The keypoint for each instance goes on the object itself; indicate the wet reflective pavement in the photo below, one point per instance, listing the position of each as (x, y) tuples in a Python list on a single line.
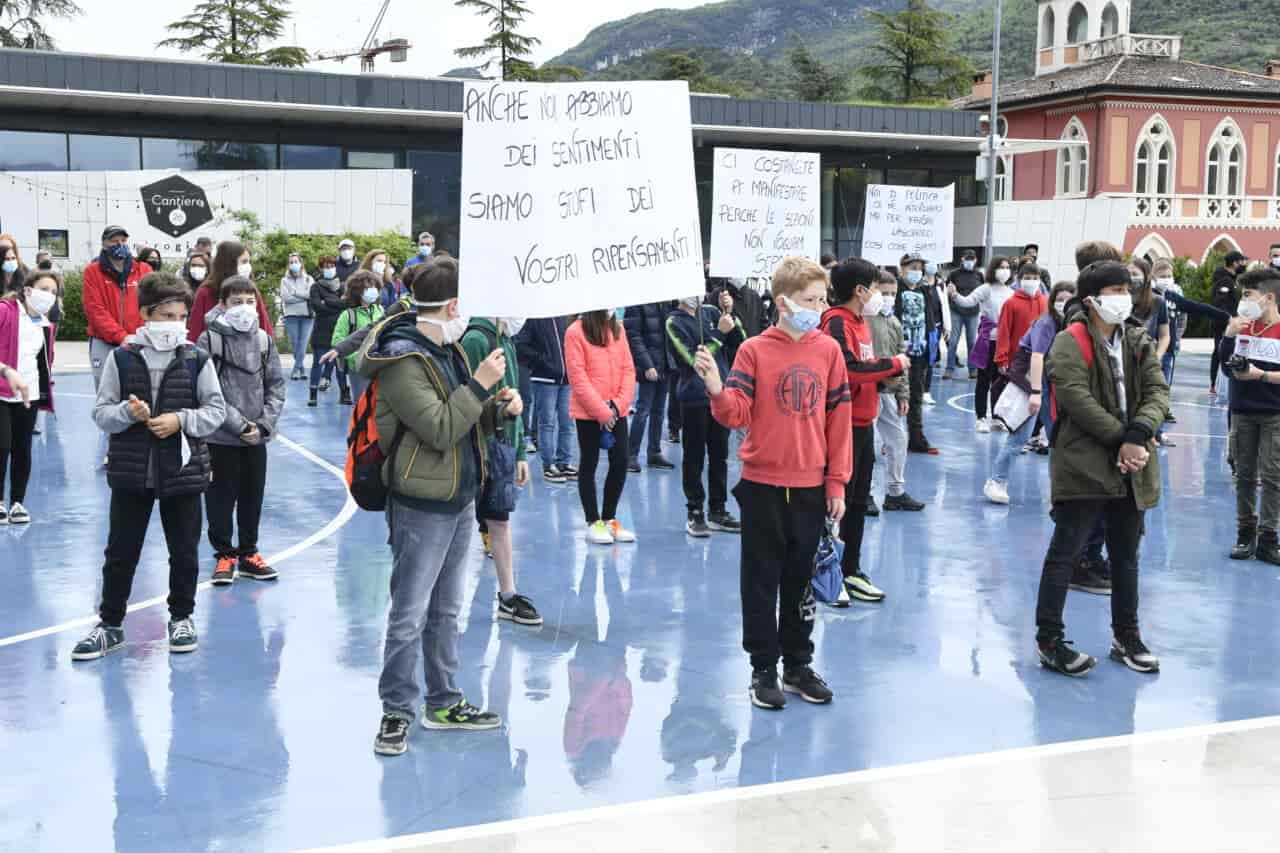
[(634, 689)]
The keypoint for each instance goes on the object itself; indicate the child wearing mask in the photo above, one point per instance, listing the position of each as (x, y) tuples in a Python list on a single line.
[(920, 312), (1110, 398), (854, 285), (891, 422), (159, 399), (295, 296), (26, 342), (378, 262), (327, 303), (231, 259), (789, 387), (989, 298), (248, 367), (364, 289)]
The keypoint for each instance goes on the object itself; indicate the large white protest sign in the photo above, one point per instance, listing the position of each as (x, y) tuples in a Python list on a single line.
[(908, 220), (575, 197), (764, 208)]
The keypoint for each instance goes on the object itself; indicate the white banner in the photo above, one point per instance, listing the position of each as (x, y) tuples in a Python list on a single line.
[(1258, 349), (905, 220), (764, 208), (576, 197)]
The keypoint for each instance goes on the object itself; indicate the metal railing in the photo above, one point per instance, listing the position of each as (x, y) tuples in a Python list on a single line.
[(1131, 44)]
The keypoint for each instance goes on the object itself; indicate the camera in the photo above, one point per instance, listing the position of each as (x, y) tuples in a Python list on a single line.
[(1238, 364)]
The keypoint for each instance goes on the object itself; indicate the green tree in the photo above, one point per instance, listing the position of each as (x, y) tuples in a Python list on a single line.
[(504, 43), (518, 69), (913, 57), (20, 21), (811, 79), (235, 31), (676, 65)]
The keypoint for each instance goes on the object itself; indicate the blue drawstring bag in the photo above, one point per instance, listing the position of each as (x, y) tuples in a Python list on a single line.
[(828, 579)]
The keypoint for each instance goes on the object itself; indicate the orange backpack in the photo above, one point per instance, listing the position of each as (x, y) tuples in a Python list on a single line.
[(365, 458)]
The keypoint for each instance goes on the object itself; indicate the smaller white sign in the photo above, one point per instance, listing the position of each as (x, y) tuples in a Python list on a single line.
[(903, 220), (1258, 349), (765, 207)]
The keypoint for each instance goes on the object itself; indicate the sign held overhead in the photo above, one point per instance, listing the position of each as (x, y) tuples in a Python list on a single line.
[(765, 207), (903, 220)]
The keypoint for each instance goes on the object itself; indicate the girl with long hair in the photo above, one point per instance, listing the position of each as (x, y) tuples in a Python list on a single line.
[(230, 259)]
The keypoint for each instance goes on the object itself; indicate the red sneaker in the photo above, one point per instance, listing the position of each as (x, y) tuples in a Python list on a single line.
[(225, 573)]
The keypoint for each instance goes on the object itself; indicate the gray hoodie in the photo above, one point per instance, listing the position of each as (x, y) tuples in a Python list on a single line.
[(295, 293), (248, 366), (111, 414)]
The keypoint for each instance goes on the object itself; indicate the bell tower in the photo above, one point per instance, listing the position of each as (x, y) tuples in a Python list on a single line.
[(1069, 32)]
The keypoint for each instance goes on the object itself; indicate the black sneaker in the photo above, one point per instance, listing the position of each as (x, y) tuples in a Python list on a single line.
[(463, 716), (662, 463), (1246, 544), (102, 640), (1058, 656), (1088, 577), (673, 438), (1170, 419), (256, 568), (633, 466), (902, 503), (806, 684), (724, 522), (393, 736), (873, 511), (344, 399), (519, 610), (859, 586), (1268, 548), (324, 386), (569, 471), (696, 526), (764, 690), (1129, 650), (554, 475)]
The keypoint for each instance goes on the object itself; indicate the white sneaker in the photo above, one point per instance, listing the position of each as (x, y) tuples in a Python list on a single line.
[(984, 425), (598, 534), (928, 400), (620, 533), (996, 492), (4, 514), (18, 514)]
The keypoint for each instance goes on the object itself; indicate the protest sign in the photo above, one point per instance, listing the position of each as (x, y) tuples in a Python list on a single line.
[(576, 197), (764, 208), (903, 220)]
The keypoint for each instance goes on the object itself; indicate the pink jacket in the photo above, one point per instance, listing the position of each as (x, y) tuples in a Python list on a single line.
[(598, 375), (11, 314)]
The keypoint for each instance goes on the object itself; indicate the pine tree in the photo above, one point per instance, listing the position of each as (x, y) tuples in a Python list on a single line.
[(235, 31), (504, 43), (913, 56), (20, 21), (811, 79)]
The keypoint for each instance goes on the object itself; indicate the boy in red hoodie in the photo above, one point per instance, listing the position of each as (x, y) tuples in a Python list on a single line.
[(789, 387), (1027, 305), (853, 285)]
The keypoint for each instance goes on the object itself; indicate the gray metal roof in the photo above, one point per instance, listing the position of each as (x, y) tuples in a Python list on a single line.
[(73, 79)]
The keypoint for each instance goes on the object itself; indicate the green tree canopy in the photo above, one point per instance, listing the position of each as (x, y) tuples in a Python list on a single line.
[(677, 65), (811, 79), (913, 56), (20, 21), (236, 31), (504, 43)]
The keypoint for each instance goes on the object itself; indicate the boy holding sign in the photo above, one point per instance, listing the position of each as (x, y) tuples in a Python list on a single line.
[(1251, 351), (789, 386)]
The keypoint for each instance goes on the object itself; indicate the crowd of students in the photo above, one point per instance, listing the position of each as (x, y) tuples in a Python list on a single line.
[(818, 376)]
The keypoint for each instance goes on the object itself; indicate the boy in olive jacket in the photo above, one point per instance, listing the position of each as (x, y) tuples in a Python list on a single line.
[(1110, 397), (434, 416)]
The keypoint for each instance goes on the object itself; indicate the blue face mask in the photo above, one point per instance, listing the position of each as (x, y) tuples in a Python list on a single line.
[(295, 267), (370, 295), (969, 265), (620, 313), (914, 276), (10, 266), (803, 320), (120, 251), (425, 249), (328, 272), (931, 269)]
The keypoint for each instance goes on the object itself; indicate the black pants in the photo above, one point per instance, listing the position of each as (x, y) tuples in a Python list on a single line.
[(130, 515), (589, 433), (1219, 332), (1074, 521), (915, 405), (675, 417), (239, 480), (17, 426), (987, 386), (707, 439), (780, 532), (855, 499)]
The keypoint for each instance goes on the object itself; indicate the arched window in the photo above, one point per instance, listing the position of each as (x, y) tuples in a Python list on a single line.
[(1154, 159), (1078, 25), (1277, 189), (1073, 160), (1110, 21), (1003, 184), (1224, 172), (1048, 24)]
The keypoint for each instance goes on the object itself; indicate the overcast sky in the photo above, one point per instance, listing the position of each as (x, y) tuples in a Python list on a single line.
[(434, 27)]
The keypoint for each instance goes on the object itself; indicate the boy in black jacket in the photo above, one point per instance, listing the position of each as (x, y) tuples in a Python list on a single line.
[(540, 344), (646, 333)]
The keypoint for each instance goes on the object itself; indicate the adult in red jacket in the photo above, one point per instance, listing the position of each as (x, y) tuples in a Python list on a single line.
[(110, 296), (1017, 315), (853, 284)]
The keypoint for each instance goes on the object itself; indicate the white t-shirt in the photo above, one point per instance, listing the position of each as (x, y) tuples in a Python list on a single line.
[(30, 342)]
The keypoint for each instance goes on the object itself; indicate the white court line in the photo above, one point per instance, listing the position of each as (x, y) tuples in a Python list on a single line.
[(959, 408), (348, 510), (529, 825)]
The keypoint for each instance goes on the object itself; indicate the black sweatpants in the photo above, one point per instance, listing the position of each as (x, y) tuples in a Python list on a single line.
[(705, 439), (780, 532), (915, 405), (130, 514), (589, 433), (239, 481), (17, 426), (1074, 521), (855, 499), (986, 387), (675, 417)]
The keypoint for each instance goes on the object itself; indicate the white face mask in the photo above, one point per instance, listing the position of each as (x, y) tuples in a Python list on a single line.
[(1002, 275), (198, 273), (874, 303), (242, 318), (1163, 283), (378, 267), (166, 335), (245, 270), (452, 330), (42, 301), (347, 254), (1250, 309), (1113, 309), (514, 325), (1030, 286), (1061, 306)]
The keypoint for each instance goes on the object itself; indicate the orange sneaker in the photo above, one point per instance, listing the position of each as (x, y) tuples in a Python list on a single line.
[(253, 566), (620, 533), (225, 573)]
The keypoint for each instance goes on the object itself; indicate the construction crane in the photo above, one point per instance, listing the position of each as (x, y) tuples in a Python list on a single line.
[(397, 48)]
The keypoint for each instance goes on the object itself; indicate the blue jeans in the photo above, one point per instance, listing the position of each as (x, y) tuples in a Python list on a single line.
[(1166, 364), (555, 427), (651, 407), (298, 330), (1014, 443), (967, 325), (326, 370), (428, 581)]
